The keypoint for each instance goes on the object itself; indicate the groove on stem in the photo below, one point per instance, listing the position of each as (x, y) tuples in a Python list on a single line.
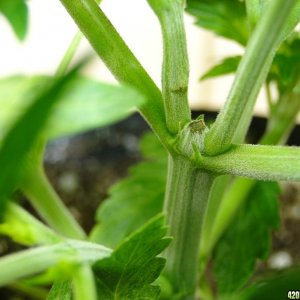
[(185, 202)]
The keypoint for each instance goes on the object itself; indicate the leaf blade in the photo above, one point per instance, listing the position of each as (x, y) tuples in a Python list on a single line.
[(240, 244), (134, 265), (135, 199), (16, 12), (83, 104), (226, 18), (20, 138), (225, 67)]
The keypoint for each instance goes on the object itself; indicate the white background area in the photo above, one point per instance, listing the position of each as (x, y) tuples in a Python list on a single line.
[(51, 30)]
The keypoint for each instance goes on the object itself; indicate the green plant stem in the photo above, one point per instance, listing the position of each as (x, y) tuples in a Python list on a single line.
[(215, 199), (269, 97), (254, 10), (120, 61), (35, 260), (282, 120), (185, 202), (67, 58), (35, 293), (231, 201), (23, 228), (175, 73), (84, 283), (48, 204), (233, 121), (279, 127), (256, 162)]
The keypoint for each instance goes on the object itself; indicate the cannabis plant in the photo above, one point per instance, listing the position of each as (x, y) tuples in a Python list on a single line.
[(191, 220)]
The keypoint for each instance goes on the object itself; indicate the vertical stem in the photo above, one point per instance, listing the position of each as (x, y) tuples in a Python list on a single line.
[(68, 56), (185, 202), (175, 71), (282, 119), (84, 283), (233, 121)]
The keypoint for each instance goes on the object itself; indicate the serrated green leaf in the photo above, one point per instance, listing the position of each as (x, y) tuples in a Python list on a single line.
[(247, 239), (16, 12), (129, 272), (135, 199), (226, 18), (61, 290), (84, 104), (227, 66)]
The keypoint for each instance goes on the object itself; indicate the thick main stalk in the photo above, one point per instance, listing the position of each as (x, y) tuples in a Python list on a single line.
[(175, 71), (185, 202)]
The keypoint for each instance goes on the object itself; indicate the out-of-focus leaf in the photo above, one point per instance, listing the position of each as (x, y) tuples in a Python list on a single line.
[(285, 69), (135, 199), (16, 12), (17, 93), (275, 287), (129, 272), (226, 18), (20, 138), (84, 104), (88, 104), (247, 239), (61, 290), (227, 66)]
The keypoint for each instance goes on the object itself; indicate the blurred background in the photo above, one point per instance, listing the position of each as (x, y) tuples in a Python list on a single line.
[(51, 31)]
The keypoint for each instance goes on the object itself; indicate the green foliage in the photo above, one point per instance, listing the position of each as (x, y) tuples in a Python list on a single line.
[(83, 103), (285, 69), (247, 239), (61, 290), (16, 12), (135, 199), (226, 18), (227, 66), (255, 9), (275, 287), (131, 269), (23, 228), (20, 138)]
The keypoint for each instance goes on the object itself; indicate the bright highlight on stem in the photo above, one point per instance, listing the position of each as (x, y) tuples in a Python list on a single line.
[(33, 261)]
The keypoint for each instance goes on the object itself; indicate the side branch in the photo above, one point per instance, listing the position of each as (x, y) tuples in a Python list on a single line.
[(119, 59), (234, 119), (257, 161)]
